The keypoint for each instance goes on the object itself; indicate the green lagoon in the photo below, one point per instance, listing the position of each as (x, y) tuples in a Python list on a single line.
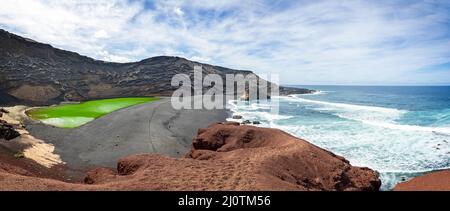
[(75, 115)]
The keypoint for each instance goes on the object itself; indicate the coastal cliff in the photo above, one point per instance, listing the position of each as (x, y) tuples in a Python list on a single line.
[(38, 73), (224, 156)]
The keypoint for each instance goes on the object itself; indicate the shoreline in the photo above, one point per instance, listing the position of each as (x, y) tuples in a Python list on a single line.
[(179, 126)]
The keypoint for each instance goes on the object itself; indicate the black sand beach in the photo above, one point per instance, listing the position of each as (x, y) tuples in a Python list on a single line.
[(153, 127)]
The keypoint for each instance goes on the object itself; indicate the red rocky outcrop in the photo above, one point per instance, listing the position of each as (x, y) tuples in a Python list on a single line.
[(224, 156)]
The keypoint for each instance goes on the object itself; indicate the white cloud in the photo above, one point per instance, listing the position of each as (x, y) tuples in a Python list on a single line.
[(351, 42), (101, 34), (108, 57), (178, 11), (200, 59)]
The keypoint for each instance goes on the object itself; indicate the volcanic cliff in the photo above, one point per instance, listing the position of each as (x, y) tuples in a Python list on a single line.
[(34, 72)]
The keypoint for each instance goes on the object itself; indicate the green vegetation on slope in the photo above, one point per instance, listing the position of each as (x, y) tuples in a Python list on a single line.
[(75, 115)]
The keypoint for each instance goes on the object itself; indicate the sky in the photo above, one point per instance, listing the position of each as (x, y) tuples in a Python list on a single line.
[(382, 42)]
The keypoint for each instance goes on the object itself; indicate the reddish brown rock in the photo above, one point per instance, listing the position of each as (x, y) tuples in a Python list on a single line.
[(436, 181), (99, 174), (276, 160), (232, 157), (225, 157)]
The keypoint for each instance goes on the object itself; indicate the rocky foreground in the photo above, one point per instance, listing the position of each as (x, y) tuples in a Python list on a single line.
[(224, 156), (435, 181)]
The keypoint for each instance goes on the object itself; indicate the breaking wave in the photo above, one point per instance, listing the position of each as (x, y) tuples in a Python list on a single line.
[(371, 115), (372, 136)]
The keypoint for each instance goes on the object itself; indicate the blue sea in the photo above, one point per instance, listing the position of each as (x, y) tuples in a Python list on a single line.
[(399, 131)]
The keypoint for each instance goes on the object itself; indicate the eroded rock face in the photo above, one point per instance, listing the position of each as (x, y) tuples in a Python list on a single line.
[(226, 156), (280, 161), (7, 131)]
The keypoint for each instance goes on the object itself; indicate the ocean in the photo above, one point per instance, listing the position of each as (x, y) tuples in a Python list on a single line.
[(399, 131)]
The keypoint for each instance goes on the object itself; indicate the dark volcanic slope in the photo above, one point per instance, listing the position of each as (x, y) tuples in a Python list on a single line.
[(39, 73), (6, 99)]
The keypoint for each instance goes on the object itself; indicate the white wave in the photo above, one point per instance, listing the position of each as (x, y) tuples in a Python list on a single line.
[(260, 115), (414, 171), (349, 106), (372, 138), (317, 92), (372, 115), (416, 128)]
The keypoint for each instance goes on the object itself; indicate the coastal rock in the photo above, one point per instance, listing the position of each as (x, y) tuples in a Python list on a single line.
[(7, 131), (246, 122), (435, 181), (237, 117), (279, 161)]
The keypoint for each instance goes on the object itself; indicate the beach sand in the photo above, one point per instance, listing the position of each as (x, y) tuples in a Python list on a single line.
[(31, 147), (26, 150)]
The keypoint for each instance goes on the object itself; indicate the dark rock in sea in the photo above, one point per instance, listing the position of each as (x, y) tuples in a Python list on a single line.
[(237, 117), (38, 73), (246, 122), (256, 122), (294, 90), (7, 131)]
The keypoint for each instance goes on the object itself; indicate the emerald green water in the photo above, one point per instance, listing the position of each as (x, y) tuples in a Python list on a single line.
[(75, 115)]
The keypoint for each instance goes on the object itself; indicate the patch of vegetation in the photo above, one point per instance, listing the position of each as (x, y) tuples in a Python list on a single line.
[(19, 155)]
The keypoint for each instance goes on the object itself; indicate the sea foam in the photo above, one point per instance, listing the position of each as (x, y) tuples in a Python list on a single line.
[(366, 135), (371, 115)]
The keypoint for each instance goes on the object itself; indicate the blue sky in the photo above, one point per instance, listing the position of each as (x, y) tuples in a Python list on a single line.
[(305, 42)]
